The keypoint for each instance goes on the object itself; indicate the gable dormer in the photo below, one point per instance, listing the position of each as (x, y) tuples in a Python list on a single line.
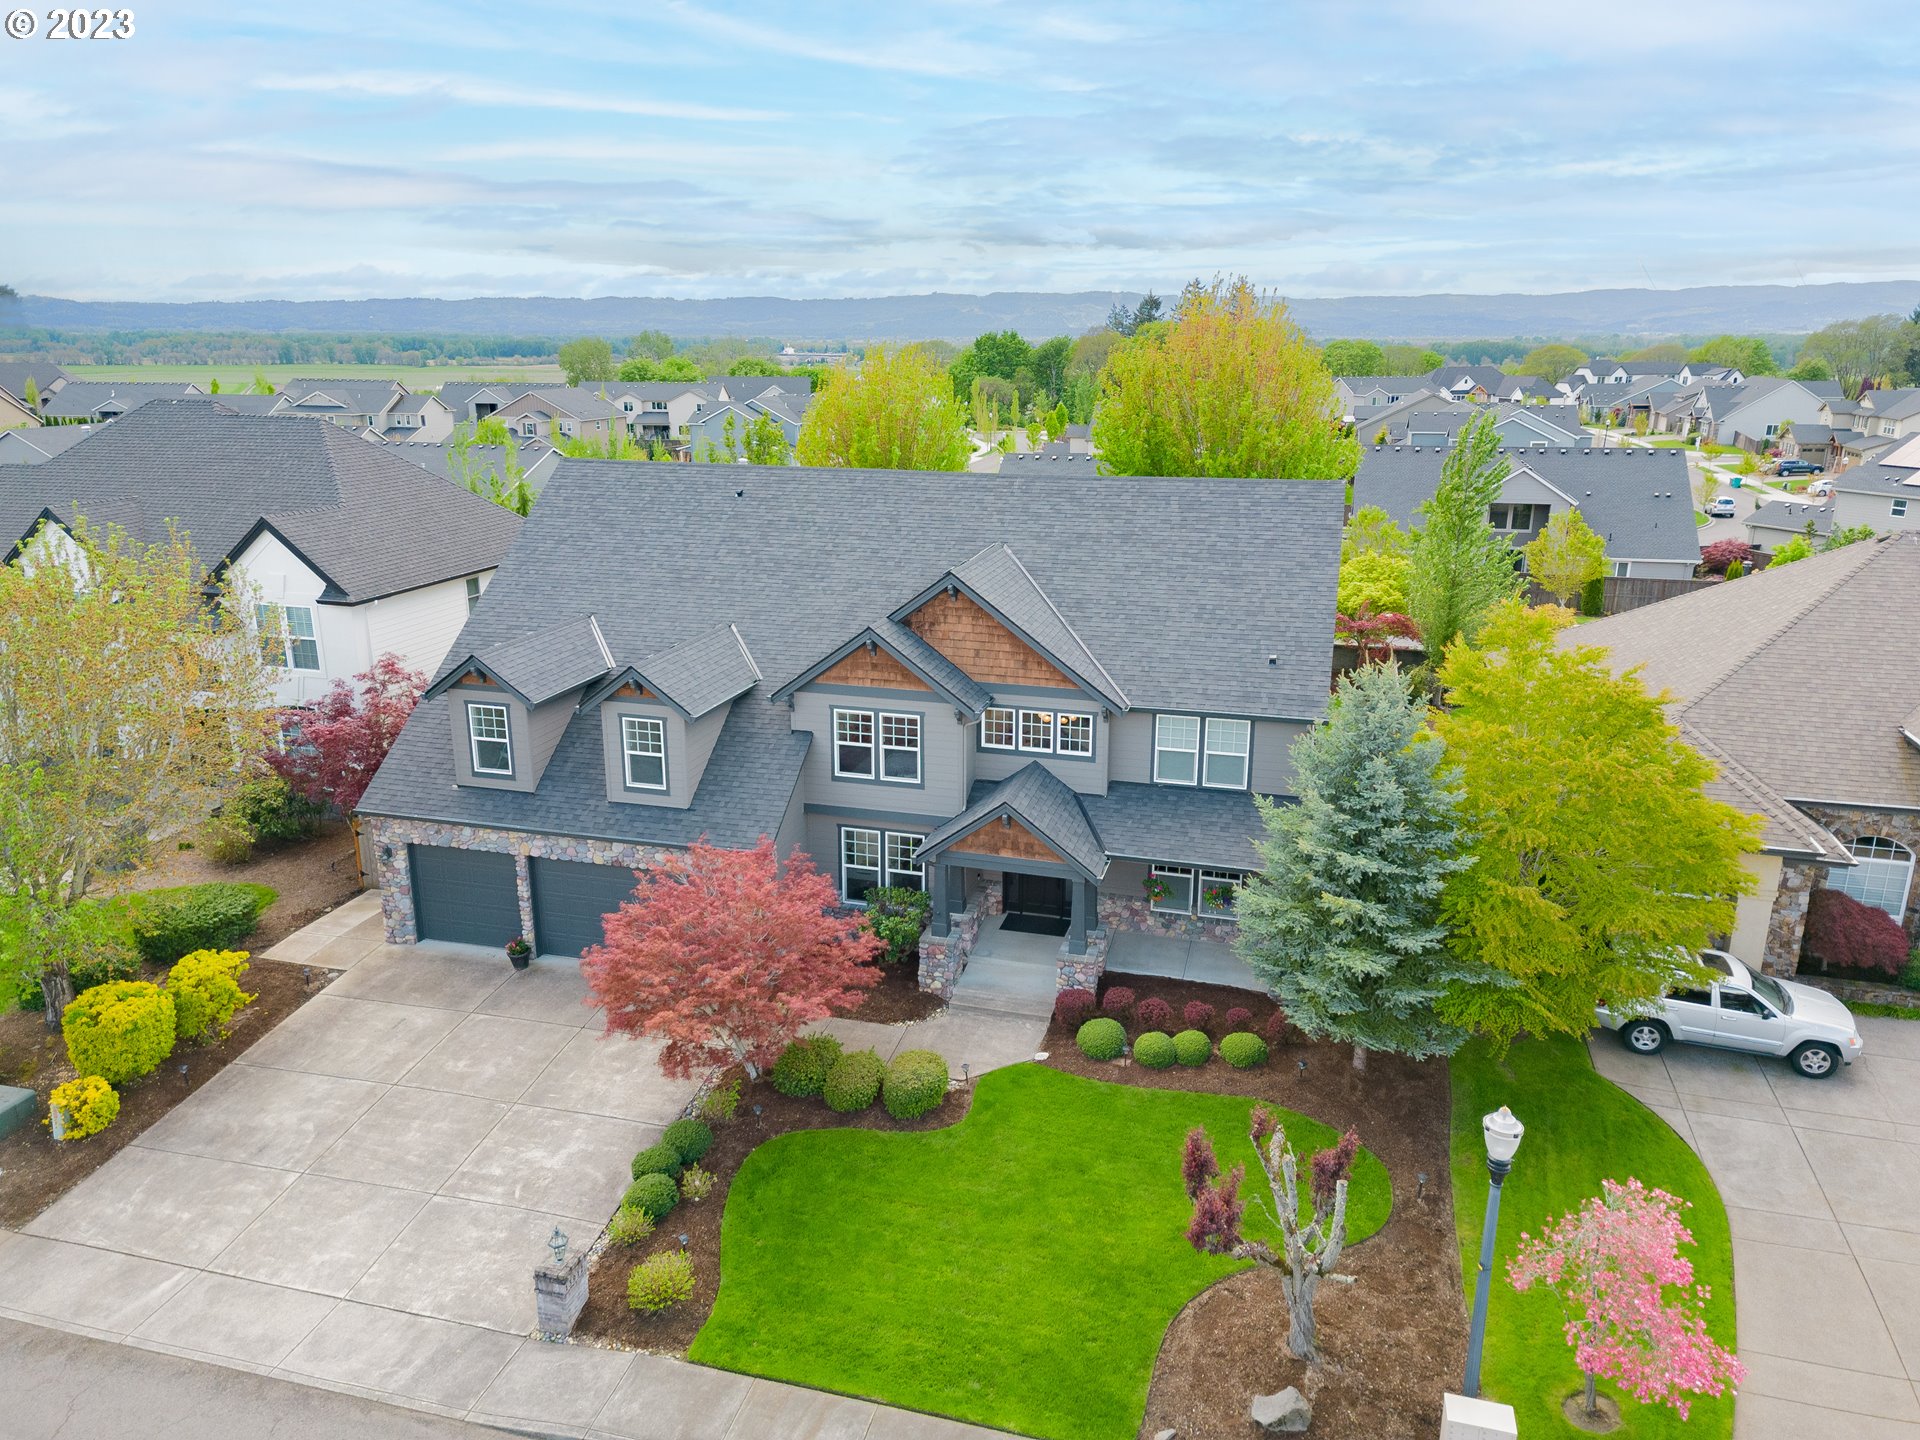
[(510, 704), (660, 719)]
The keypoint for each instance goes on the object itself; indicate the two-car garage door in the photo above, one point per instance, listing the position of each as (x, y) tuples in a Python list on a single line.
[(467, 896)]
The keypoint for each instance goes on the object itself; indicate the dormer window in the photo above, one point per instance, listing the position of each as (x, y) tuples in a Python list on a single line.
[(643, 742), (487, 732)]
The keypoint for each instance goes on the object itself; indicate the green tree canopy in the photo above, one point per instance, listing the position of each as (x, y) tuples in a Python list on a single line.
[(896, 412), (587, 359), (1746, 353), (1461, 568), (1090, 351), (1371, 529), (650, 345), (1354, 357), (1230, 387), (754, 365), (1566, 556), (1666, 352), (1552, 363), (1859, 351), (1342, 922), (1410, 359), (1811, 368), (1598, 860), (1373, 580), (674, 367)]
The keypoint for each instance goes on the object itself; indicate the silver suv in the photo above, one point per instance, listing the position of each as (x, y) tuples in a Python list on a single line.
[(1745, 1011)]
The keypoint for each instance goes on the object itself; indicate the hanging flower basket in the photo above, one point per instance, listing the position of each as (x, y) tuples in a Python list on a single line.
[(1156, 887)]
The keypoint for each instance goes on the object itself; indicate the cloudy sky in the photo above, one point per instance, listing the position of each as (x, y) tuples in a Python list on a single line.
[(652, 147)]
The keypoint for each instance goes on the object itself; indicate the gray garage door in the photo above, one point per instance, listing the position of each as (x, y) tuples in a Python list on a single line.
[(569, 899), (464, 895)]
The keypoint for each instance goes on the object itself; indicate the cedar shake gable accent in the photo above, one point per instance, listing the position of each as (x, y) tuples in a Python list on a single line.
[(1008, 837), (956, 626), (872, 667), (920, 666), (1031, 816)]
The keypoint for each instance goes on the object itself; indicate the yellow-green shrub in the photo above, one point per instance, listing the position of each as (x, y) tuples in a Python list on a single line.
[(205, 986), (119, 1031), (89, 1103)]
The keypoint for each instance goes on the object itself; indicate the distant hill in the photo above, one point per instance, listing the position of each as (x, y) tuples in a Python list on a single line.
[(1772, 309)]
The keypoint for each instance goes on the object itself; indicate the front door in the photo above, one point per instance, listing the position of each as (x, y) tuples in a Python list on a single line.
[(1037, 904)]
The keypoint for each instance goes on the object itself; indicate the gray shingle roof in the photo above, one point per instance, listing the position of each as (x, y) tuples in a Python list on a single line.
[(967, 692), (246, 403), (1639, 500), (370, 522), (1034, 462), (706, 671), (1803, 674), (14, 375), (43, 440), (547, 664), (998, 579), (86, 399), (1041, 801), (1792, 515), (1176, 824), (1786, 830), (353, 396)]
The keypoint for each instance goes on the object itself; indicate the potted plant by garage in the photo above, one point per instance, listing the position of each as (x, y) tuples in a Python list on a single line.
[(519, 951)]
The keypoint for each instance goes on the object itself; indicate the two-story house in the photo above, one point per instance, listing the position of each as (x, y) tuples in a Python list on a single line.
[(917, 679), (356, 404), (347, 551), (22, 384), (1884, 494), (1362, 396), (1520, 426), (556, 414), (1637, 500)]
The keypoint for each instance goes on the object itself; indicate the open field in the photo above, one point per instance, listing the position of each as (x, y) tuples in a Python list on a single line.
[(240, 377)]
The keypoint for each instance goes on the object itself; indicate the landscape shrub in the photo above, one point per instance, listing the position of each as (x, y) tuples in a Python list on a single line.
[(1101, 1038), (854, 1082), (1243, 1051), (916, 1084), (659, 1158), (802, 1067), (1910, 976), (696, 1184), (898, 916), (653, 1195), (1070, 1007), (1117, 1001), (89, 1104), (226, 841), (119, 1031), (208, 917), (1198, 1014), (96, 953), (629, 1226), (1736, 570), (1237, 1018), (1841, 931), (1154, 1050), (1593, 597), (1715, 559), (660, 1282), (1276, 1027), (268, 808), (1192, 1047), (718, 1104), (205, 986), (688, 1138), (1153, 1013)]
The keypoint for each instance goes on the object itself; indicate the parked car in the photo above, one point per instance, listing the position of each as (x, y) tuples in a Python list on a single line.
[(1800, 467), (1745, 1011), (1820, 489), (1720, 508)]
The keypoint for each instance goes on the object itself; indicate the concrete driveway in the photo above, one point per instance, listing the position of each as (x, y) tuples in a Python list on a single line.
[(1821, 1180)]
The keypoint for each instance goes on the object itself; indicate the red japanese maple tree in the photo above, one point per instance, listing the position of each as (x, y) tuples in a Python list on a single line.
[(335, 746), (726, 956), (1372, 633)]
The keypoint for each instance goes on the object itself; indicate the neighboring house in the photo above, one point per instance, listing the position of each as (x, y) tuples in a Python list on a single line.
[(659, 411), (1079, 439), (1779, 521), (953, 692), (1391, 421), (1886, 414), (1752, 415), (709, 423), (349, 552), (1628, 372), (16, 414), (471, 401), (1817, 444), (1637, 500), (39, 443), (1523, 390), (1629, 402), (535, 458), (92, 402), (416, 420), (1687, 410), (1796, 683), (560, 414), (1362, 395), (47, 378), (1518, 426), (1884, 494), (357, 404)]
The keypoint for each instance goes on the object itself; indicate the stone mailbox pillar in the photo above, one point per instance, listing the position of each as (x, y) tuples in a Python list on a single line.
[(559, 1287)]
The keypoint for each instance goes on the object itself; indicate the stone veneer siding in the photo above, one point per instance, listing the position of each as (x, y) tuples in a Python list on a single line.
[(1082, 972), (1136, 912), (395, 874), (943, 957), (1847, 823), (1787, 924)]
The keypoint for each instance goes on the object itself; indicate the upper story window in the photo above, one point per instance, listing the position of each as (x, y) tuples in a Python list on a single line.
[(643, 745), (1075, 734), (1899, 507), (1036, 732), (527, 427), (998, 727), (487, 730), (899, 747), (1516, 517), (1176, 749), (1229, 743), (1181, 758), (853, 743), (287, 636), (876, 745), (473, 593)]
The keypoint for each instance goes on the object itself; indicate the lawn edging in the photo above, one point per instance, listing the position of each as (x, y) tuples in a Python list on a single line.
[(1581, 1129)]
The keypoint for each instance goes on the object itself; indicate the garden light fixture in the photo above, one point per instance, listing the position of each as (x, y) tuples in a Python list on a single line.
[(1502, 1132), (557, 1242)]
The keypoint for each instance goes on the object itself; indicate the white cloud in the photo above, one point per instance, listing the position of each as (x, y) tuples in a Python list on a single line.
[(398, 85)]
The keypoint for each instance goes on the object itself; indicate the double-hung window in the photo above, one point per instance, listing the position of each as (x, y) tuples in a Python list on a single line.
[(998, 727), (1900, 508), (1228, 744), (900, 747), (473, 593), (487, 730), (287, 636), (643, 743), (903, 862), (853, 744), (872, 858), (876, 746), (1176, 749)]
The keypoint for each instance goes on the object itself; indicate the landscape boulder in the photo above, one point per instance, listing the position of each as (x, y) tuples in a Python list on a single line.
[(1287, 1413)]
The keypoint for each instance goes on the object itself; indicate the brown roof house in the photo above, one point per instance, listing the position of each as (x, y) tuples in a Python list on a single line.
[(1803, 685)]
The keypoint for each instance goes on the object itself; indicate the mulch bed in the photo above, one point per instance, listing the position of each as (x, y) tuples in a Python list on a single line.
[(898, 997), (309, 877), (1395, 1340), (36, 1170), (607, 1320)]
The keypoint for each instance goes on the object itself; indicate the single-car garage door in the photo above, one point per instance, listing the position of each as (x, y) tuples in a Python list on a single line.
[(464, 895), (569, 899)]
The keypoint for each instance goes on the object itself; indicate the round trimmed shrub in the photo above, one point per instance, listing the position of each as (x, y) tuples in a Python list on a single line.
[(119, 1031), (1198, 1015), (1192, 1047), (1101, 1039), (1153, 1013), (854, 1082), (659, 1158), (916, 1084), (1117, 1001), (1154, 1050), (89, 1104), (1243, 1051), (652, 1195), (205, 986), (688, 1138), (1238, 1018), (1070, 1007), (802, 1067), (660, 1281)]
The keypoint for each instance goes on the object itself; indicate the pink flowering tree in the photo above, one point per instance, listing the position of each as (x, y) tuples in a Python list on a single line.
[(1309, 1251), (1633, 1311)]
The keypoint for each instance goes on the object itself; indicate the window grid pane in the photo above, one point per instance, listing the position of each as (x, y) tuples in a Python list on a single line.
[(997, 729), (645, 743), (1228, 742), (859, 863), (1036, 731), (903, 862), (488, 726), (1218, 907), (1076, 734), (1176, 758), (1882, 875), (303, 648), (900, 747), (1179, 897), (853, 742)]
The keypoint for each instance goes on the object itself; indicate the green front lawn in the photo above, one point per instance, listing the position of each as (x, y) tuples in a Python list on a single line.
[(1581, 1129), (1017, 1269)]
